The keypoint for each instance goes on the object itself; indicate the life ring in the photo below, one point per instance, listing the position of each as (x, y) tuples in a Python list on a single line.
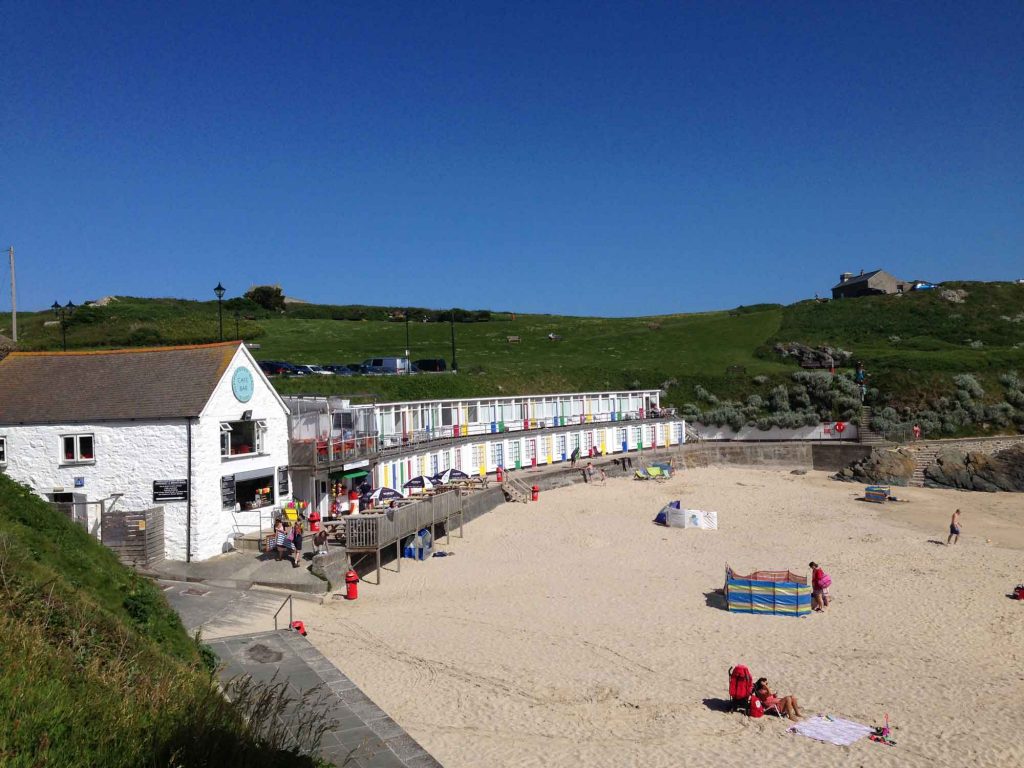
[(840, 427)]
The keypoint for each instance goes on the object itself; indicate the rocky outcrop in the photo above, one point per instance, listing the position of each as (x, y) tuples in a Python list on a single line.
[(6, 346), (974, 471), (811, 357), (882, 467)]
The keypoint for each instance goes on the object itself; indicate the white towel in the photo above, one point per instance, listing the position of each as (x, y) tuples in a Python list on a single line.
[(834, 731)]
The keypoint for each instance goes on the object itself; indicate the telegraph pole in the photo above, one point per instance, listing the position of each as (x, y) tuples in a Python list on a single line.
[(14, 299)]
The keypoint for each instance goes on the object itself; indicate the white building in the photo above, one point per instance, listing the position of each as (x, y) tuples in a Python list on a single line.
[(197, 430), (336, 444)]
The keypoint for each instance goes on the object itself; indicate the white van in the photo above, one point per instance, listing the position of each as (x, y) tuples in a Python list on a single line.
[(387, 365)]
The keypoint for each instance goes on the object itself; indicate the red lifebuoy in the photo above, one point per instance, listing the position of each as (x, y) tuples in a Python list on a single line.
[(840, 427)]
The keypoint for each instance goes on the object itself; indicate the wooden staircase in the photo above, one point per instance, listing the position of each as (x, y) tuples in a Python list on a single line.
[(517, 490), (865, 434), (924, 457)]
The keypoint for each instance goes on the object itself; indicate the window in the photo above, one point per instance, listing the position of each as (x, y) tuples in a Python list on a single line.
[(499, 454), (242, 438), (515, 452), (472, 415), (3, 450), (622, 437), (446, 460), (479, 455), (77, 449), (560, 450), (588, 440), (433, 464)]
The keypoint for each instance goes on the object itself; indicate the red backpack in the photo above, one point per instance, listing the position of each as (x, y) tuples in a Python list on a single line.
[(741, 684)]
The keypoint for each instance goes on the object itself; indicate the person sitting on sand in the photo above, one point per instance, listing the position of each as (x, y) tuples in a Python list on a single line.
[(785, 705), (954, 529)]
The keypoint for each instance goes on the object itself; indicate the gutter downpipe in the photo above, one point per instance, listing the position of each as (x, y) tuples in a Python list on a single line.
[(188, 507)]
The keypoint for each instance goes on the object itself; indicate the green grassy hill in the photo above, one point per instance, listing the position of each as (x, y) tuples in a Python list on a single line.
[(913, 345), (97, 669)]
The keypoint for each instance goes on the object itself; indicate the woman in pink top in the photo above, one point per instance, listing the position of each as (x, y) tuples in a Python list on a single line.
[(820, 582)]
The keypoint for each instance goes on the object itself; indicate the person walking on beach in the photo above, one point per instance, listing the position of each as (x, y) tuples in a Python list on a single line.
[(573, 457), (954, 529), (820, 582)]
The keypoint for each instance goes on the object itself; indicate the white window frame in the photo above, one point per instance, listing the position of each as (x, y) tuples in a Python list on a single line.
[(259, 429), (3, 450), (77, 437)]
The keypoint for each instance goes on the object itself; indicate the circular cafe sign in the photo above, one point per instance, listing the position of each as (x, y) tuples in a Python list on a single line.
[(241, 384)]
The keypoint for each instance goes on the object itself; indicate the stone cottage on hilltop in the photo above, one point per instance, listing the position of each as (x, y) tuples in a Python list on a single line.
[(868, 284)]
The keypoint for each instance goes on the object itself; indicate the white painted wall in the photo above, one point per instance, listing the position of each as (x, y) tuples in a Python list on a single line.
[(712, 432), (213, 527), (129, 456)]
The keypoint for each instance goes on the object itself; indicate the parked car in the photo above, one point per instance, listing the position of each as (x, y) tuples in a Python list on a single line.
[(431, 365), (314, 370), (339, 370), (387, 365), (275, 368)]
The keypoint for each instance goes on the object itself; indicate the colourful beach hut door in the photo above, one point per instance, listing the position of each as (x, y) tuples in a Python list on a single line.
[(499, 454)]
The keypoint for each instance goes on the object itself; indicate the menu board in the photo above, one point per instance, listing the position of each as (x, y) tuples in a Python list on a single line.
[(170, 490), (282, 481), (227, 491)]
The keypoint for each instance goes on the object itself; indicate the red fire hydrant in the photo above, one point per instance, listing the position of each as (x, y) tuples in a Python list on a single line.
[(314, 521), (501, 475), (351, 585), (536, 493)]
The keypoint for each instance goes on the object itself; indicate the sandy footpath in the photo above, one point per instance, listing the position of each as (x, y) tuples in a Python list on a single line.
[(574, 632)]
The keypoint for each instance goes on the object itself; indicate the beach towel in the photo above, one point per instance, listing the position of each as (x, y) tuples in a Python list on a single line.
[(835, 731)]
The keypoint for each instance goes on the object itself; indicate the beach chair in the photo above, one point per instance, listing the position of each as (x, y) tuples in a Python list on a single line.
[(658, 472), (641, 474)]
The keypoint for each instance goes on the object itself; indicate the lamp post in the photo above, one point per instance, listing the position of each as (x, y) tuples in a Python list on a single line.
[(219, 291), (238, 335), (407, 332), (455, 364), (62, 314)]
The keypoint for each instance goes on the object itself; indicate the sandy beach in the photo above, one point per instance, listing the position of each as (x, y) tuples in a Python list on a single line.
[(574, 632)]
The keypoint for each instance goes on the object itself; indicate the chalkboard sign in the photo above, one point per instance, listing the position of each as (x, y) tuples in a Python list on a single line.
[(170, 490), (227, 491), (282, 481)]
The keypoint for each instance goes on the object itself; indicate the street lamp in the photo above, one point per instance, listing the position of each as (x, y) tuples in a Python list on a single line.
[(455, 365), (62, 314), (219, 290), (407, 332)]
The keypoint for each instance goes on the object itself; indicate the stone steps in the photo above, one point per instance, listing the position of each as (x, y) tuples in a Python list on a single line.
[(865, 434), (923, 458)]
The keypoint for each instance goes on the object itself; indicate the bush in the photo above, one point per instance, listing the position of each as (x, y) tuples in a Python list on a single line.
[(966, 382), (270, 297), (779, 399)]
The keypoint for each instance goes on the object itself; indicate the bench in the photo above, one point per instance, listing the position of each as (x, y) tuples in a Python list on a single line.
[(512, 339)]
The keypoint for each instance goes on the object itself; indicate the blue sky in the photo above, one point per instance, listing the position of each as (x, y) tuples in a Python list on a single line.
[(577, 158)]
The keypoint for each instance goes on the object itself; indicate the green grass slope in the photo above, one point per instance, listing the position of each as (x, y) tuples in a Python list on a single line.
[(913, 345), (97, 669)]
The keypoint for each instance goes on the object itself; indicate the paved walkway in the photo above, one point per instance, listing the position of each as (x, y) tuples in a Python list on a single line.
[(237, 624), (240, 570), (363, 736)]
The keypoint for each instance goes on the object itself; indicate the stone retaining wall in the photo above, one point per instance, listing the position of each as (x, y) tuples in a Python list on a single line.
[(986, 445)]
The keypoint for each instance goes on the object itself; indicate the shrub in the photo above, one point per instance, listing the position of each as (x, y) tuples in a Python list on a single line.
[(761, 380), (755, 401), (779, 398), (705, 395), (966, 382)]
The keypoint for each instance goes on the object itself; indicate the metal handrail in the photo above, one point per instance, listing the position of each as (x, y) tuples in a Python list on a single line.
[(288, 602), (389, 443)]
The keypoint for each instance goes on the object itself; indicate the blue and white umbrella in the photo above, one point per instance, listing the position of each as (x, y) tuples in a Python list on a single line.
[(385, 494), (421, 481), (450, 474)]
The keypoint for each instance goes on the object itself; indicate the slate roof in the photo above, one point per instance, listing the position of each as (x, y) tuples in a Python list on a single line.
[(158, 383), (858, 279)]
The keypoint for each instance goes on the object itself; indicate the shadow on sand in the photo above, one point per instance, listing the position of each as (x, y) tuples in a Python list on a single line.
[(716, 599)]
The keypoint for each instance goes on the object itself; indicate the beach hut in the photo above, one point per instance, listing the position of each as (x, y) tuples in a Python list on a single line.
[(776, 592)]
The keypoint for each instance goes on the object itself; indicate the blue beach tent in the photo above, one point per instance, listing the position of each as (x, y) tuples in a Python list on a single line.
[(781, 593)]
